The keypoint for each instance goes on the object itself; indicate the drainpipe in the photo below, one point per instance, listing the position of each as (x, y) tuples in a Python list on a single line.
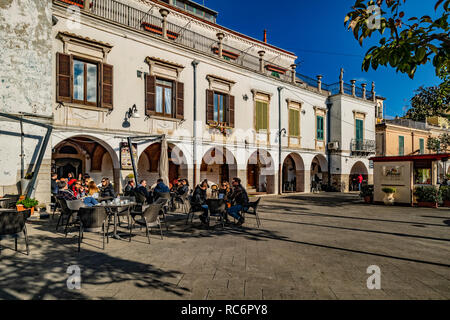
[(194, 139), (329, 105), (37, 166), (279, 140)]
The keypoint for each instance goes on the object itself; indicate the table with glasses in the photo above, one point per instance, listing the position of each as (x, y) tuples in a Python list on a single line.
[(113, 208)]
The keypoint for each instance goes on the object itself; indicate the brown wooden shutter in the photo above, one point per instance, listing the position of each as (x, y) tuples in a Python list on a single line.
[(150, 95), (180, 100), (209, 106), (107, 86), (63, 77), (230, 107)]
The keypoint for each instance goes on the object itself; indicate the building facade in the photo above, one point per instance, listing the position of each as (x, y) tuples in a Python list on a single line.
[(225, 103)]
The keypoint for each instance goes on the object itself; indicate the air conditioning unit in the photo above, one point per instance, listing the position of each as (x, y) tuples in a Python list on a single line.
[(333, 145)]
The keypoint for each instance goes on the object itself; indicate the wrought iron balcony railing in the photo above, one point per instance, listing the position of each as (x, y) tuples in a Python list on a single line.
[(363, 146)]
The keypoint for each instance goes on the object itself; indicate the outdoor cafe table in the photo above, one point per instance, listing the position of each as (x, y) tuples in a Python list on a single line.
[(114, 209), (217, 206)]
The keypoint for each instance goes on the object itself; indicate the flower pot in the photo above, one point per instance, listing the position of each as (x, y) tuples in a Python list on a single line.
[(446, 203), (388, 199), (20, 207), (427, 204)]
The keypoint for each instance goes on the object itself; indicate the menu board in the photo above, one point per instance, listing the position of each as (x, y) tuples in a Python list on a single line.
[(125, 157)]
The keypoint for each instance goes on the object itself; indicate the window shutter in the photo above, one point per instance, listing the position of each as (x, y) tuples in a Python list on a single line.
[(63, 77), (230, 106), (107, 86), (265, 116), (150, 95), (180, 100), (209, 106)]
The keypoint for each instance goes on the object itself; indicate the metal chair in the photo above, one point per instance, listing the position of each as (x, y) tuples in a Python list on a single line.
[(149, 218), (73, 206), (12, 223), (85, 218), (253, 206), (164, 202)]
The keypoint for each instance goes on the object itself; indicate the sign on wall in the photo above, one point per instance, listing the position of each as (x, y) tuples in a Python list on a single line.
[(125, 157), (393, 173)]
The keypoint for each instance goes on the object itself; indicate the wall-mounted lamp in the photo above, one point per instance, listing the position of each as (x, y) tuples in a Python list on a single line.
[(245, 97), (133, 113), (303, 111)]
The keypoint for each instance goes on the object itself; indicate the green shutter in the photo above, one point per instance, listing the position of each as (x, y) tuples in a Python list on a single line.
[(401, 145), (320, 128), (359, 129), (294, 126), (422, 146), (261, 116)]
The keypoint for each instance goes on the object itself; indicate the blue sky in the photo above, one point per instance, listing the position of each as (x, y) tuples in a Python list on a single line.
[(306, 27)]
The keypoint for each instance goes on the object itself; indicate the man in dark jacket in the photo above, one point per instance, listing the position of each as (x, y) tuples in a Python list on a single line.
[(199, 200), (129, 189), (107, 190), (239, 201), (142, 189)]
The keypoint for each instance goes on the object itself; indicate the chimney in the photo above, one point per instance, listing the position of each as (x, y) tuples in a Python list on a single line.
[(265, 36)]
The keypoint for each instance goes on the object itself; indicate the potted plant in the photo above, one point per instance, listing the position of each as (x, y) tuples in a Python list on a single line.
[(445, 192), (27, 203), (389, 195), (427, 196), (367, 193), (25, 182)]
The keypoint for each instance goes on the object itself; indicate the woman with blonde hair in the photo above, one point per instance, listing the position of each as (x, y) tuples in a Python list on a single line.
[(93, 190)]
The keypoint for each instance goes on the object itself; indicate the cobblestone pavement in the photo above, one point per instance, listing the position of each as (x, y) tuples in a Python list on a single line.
[(309, 247)]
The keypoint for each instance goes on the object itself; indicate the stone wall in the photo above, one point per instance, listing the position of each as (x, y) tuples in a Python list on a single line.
[(25, 86)]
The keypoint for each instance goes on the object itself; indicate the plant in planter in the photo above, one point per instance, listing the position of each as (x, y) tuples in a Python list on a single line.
[(389, 195), (427, 196), (27, 203), (445, 192), (367, 193)]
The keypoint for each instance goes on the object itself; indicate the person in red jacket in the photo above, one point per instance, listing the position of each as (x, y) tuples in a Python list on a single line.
[(360, 180)]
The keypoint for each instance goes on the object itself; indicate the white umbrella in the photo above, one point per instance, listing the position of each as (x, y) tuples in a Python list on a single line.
[(164, 162)]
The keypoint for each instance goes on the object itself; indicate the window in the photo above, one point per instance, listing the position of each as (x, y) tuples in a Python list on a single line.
[(401, 145), (179, 4), (359, 129), (219, 107), (190, 8), (422, 145), (294, 122), (261, 116), (81, 81), (164, 97), (85, 77), (320, 130)]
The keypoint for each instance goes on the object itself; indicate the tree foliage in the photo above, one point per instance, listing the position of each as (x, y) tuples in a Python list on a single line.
[(410, 42), (429, 102), (442, 143)]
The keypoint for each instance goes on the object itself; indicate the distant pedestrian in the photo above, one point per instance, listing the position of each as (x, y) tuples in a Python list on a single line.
[(360, 180)]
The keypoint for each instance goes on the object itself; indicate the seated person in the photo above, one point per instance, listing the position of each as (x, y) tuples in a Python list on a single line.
[(77, 189), (225, 191), (64, 192), (129, 189), (93, 190), (142, 189), (54, 184), (198, 200), (160, 188), (239, 201), (107, 190), (183, 187)]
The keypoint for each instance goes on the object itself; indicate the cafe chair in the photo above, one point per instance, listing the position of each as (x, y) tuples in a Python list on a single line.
[(165, 208), (13, 223), (85, 218), (253, 210), (149, 218), (73, 206)]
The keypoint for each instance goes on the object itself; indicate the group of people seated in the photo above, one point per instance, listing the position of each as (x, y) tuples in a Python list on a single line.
[(235, 197), (179, 187), (83, 188)]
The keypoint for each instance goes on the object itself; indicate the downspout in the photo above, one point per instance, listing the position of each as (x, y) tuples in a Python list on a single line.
[(194, 133), (329, 105), (37, 166), (279, 141)]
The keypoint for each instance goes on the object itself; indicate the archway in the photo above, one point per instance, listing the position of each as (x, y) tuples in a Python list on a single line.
[(148, 163), (319, 169), (358, 168), (218, 165), (293, 174), (86, 155), (261, 172)]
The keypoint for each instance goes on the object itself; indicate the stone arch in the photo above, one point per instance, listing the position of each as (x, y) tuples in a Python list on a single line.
[(91, 153), (358, 168), (218, 165), (319, 168), (293, 173), (261, 172)]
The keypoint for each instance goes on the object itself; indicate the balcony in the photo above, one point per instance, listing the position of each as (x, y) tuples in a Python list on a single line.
[(362, 146)]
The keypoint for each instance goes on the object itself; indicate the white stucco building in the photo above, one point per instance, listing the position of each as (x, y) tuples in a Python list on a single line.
[(222, 99)]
